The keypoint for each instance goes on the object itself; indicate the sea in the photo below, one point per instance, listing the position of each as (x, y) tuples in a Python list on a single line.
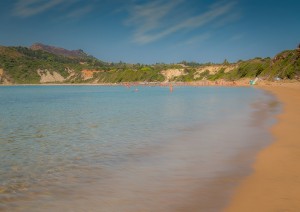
[(140, 148)]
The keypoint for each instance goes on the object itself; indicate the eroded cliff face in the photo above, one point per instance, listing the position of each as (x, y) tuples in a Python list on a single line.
[(171, 74), (3, 78), (1, 73), (213, 69), (47, 76), (88, 74)]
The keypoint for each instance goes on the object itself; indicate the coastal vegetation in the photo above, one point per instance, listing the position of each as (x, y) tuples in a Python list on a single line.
[(46, 64)]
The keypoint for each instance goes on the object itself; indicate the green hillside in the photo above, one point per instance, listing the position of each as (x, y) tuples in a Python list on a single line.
[(285, 65), (21, 65)]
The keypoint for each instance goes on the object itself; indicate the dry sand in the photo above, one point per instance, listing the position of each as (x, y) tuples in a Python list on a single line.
[(275, 182)]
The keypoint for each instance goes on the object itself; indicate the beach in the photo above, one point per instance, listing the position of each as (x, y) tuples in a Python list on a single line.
[(274, 184)]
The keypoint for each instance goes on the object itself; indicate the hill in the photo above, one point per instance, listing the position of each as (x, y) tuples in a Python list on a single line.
[(47, 64), (59, 51)]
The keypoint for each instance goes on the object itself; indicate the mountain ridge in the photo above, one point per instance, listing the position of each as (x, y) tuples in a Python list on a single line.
[(79, 53)]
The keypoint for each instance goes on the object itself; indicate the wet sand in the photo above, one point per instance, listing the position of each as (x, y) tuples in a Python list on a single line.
[(275, 182)]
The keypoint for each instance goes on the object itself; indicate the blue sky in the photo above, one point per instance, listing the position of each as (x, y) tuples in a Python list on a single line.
[(144, 31)]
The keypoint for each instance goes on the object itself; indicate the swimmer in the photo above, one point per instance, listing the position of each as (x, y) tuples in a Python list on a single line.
[(171, 88)]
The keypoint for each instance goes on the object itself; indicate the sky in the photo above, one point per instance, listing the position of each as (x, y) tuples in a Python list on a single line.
[(155, 31)]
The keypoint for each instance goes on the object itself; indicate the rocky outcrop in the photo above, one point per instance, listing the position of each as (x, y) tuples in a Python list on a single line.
[(88, 74), (3, 77), (53, 77), (71, 73), (47, 77), (213, 69), (170, 74)]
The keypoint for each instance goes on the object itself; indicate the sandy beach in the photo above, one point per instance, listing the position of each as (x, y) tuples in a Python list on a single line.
[(274, 184)]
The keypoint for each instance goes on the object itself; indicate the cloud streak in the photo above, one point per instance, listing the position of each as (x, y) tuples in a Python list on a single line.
[(26, 8), (151, 20), (72, 8), (147, 18)]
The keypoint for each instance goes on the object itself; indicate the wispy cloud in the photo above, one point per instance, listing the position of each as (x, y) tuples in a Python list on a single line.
[(70, 8), (148, 18), (26, 8), (151, 20)]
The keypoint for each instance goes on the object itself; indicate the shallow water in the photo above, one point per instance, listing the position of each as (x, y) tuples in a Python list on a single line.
[(97, 148)]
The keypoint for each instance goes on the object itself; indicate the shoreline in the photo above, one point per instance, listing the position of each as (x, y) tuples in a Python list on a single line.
[(203, 83), (274, 184), (217, 83)]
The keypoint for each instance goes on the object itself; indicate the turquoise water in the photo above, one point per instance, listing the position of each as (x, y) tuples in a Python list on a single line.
[(101, 148)]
